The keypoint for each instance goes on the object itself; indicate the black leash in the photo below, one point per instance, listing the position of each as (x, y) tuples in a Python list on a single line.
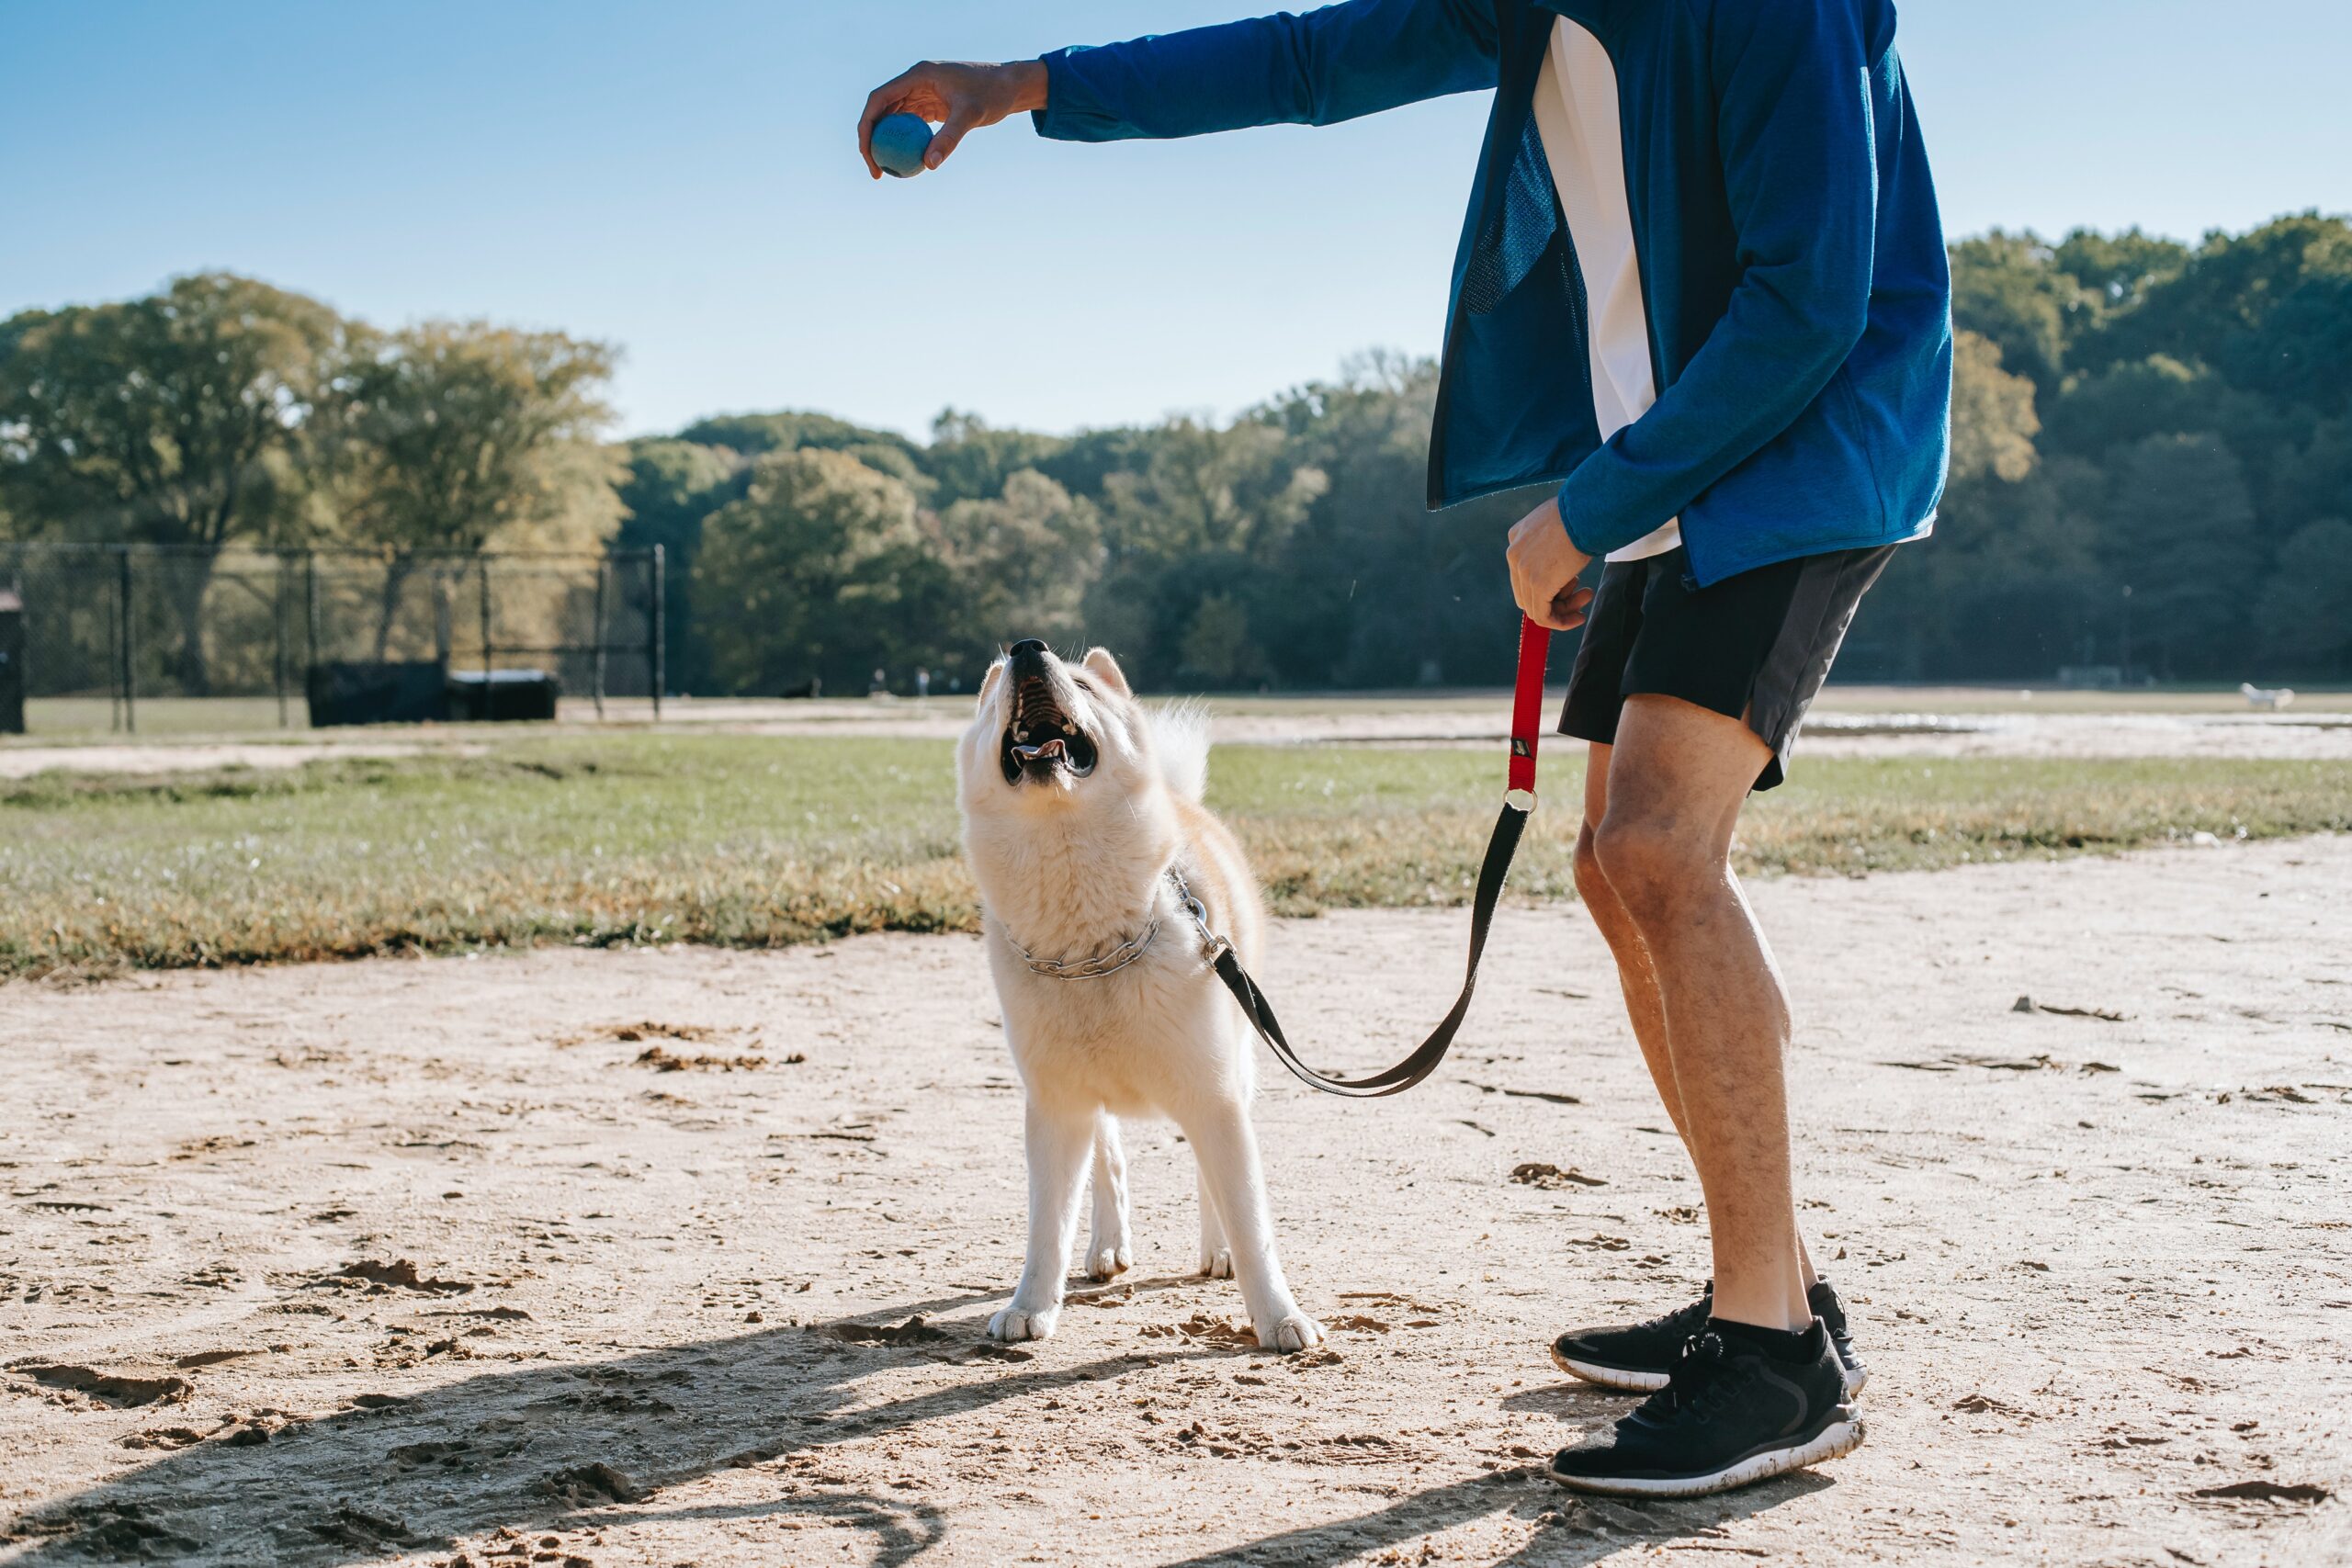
[(1519, 802)]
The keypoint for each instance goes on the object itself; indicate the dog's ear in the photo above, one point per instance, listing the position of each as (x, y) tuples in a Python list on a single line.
[(988, 684), (1105, 668)]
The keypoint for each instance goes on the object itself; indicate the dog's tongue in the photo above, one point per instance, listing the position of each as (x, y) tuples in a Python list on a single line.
[(1053, 748)]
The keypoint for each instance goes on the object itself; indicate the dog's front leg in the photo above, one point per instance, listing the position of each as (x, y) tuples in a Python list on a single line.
[(1059, 1142), (1226, 1148)]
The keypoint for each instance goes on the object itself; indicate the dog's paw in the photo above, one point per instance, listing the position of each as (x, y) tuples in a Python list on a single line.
[(1296, 1332), (1109, 1262), (1013, 1323), (1218, 1265)]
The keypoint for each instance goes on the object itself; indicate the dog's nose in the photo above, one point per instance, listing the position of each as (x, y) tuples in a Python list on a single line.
[(1028, 648)]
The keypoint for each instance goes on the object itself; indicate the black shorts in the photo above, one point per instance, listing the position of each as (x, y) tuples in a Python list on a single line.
[(1755, 646)]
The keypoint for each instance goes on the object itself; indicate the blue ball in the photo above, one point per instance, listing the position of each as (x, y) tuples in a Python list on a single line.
[(898, 143)]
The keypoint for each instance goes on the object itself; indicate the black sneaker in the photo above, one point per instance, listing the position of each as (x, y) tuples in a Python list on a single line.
[(1823, 1302), (1636, 1358), (1730, 1416)]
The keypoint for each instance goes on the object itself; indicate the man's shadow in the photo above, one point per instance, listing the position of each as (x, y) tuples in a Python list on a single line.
[(1568, 1528), (556, 1447)]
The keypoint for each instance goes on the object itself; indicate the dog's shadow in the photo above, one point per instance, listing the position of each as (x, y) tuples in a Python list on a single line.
[(554, 1448)]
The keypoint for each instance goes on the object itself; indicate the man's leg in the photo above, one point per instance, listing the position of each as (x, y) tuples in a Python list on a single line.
[(1637, 974), (1676, 780)]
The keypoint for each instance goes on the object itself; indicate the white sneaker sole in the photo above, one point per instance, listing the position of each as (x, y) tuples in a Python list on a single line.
[(1618, 1377), (1840, 1437)]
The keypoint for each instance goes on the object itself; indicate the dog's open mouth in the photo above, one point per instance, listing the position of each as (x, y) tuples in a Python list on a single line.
[(1043, 741)]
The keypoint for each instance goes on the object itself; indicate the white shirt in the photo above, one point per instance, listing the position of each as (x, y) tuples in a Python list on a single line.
[(1576, 116)]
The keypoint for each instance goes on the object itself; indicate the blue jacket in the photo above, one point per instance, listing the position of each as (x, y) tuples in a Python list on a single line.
[(1785, 230)]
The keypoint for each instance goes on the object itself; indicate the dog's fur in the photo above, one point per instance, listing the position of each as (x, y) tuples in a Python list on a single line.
[(1070, 841)]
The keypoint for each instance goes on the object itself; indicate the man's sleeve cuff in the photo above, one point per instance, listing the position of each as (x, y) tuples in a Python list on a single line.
[(1072, 112), (1604, 508), (1584, 526)]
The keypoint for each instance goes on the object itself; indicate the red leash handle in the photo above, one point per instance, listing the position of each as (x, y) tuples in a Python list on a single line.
[(1527, 707), (1518, 803)]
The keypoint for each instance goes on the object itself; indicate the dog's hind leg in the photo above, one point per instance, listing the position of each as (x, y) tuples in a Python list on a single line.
[(1112, 1250), (1059, 1140), (1227, 1148), (1216, 1258)]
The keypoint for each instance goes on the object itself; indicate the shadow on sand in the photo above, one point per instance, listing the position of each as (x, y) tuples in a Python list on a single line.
[(555, 1447)]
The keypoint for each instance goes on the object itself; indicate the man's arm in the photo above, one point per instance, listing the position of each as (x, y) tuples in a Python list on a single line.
[(1333, 64), (1801, 171)]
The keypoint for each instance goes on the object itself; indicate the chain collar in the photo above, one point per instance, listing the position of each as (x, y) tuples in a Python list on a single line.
[(1117, 958)]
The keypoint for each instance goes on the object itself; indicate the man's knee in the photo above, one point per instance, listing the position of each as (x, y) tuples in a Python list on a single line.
[(1653, 868), (1592, 883)]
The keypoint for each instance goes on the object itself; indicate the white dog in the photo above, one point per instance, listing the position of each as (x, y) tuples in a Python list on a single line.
[(1083, 821)]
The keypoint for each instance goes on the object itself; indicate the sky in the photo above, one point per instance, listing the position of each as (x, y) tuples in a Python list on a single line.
[(681, 180)]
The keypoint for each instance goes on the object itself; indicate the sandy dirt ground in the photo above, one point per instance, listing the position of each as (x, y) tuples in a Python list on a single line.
[(683, 1257), (118, 757)]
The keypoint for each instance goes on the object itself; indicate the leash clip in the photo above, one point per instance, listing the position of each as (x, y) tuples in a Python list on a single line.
[(1213, 944)]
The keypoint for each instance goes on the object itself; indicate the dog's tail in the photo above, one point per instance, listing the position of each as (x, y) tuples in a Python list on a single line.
[(1181, 735)]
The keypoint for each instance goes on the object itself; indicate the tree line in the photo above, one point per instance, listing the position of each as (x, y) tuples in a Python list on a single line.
[(221, 413), (2152, 472)]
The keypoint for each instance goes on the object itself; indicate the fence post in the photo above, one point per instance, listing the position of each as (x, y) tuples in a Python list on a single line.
[(277, 639), (660, 611), (114, 661), (123, 644), (481, 562), (604, 576), (311, 621)]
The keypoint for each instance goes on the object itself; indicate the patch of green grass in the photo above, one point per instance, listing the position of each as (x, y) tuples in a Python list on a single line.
[(621, 839), (87, 719)]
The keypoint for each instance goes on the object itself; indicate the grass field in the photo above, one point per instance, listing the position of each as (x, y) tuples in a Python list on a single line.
[(647, 837), (73, 720)]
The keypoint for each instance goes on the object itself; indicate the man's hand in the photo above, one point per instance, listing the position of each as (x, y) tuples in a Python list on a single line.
[(1543, 566), (964, 95)]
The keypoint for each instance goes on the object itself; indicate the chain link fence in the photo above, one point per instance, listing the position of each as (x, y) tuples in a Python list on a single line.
[(113, 627)]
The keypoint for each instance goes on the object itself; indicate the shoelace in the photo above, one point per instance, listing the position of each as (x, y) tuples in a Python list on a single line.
[(1691, 1319), (1701, 1374)]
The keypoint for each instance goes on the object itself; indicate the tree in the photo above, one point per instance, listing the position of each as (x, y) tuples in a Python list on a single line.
[(814, 571), (458, 436), (755, 434), (666, 490), (2119, 269), (2180, 534), (166, 420), (1024, 562), (2006, 288), (972, 461), (2305, 611), (1993, 422)]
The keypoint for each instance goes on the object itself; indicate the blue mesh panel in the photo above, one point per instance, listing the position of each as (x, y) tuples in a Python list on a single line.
[(1511, 245)]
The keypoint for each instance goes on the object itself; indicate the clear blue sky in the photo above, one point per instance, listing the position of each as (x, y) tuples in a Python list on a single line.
[(680, 178)]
